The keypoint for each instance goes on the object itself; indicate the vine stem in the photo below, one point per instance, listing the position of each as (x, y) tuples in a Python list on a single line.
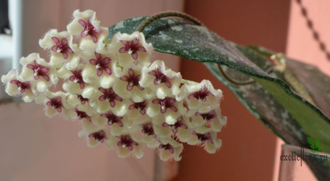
[(193, 20), (158, 16), (232, 80)]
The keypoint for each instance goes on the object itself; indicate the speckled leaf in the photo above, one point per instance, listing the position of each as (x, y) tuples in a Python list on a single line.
[(198, 43), (315, 81), (262, 104), (265, 107)]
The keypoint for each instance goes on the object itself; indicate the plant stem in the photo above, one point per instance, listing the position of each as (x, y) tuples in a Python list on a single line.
[(232, 80), (158, 16), (195, 21)]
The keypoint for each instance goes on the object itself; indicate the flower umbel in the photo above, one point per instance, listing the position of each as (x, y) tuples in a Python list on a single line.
[(122, 99)]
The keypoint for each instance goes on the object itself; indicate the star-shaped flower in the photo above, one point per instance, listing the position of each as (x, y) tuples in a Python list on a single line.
[(77, 78), (101, 64), (178, 124), (39, 70), (140, 106), (127, 142), (132, 48), (109, 95), (132, 80), (89, 29), (55, 103), (62, 46), (112, 119), (21, 86), (99, 136), (160, 77), (165, 104)]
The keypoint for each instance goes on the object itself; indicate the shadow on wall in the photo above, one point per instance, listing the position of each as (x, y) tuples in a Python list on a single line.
[(314, 32)]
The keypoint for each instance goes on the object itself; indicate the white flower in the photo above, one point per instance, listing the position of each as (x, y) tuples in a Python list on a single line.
[(61, 45), (170, 149), (208, 140), (212, 120), (127, 143), (74, 82), (16, 86), (168, 105), (149, 136), (129, 87), (201, 97), (56, 103), (131, 49), (164, 81), (86, 26), (38, 70), (95, 135)]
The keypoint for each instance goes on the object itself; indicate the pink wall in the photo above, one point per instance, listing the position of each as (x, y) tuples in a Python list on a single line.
[(309, 41), (305, 39)]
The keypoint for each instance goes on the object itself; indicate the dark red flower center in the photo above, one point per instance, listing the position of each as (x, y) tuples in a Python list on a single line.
[(167, 147), (82, 115), (140, 106), (77, 78), (89, 29), (55, 103), (204, 137), (39, 70), (160, 77), (207, 116), (110, 96), (166, 103), (99, 136), (82, 99), (132, 47), (101, 64), (112, 119), (62, 46), (21, 86), (201, 94), (126, 141), (178, 124), (132, 80), (148, 130)]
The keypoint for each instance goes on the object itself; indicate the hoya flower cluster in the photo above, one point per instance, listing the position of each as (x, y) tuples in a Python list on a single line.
[(122, 99)]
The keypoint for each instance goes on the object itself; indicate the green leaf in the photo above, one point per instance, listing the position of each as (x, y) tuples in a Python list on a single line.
[(313, 151), (310, 141), (264, 106), (319, 148), (317, 83), (316, 144), (200, 44)]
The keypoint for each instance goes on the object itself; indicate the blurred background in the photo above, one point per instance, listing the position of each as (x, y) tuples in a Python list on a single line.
[(34, 147)]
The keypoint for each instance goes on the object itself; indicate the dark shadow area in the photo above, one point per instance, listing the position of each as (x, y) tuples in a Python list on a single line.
[(4, 18), (314, 32)]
